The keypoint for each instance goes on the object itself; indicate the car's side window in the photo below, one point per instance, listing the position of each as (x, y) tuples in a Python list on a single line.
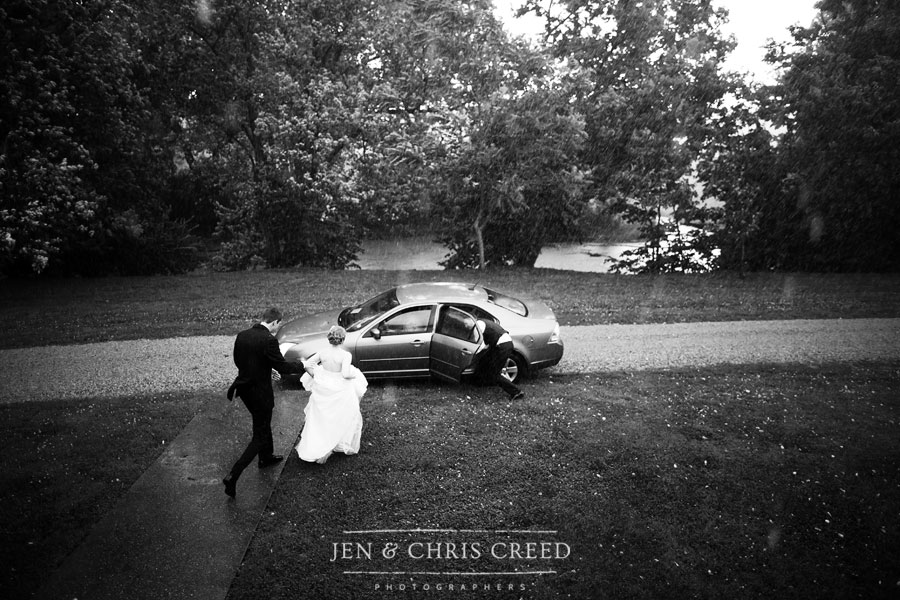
[(413, 320), (476, 312), (457, 324)]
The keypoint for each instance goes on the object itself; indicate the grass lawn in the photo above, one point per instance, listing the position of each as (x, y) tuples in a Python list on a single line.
[(749, 482)]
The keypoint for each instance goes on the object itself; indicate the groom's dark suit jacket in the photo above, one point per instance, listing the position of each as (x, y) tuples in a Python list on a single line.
[(256, 353)]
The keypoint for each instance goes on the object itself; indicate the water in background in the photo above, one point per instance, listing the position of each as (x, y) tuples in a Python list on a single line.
[(423, 254)]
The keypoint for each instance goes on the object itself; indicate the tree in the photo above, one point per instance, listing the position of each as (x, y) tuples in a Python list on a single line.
[(838, 103), (440, 68), (423, 73), (466, 108), (653, 73), (76, 171), (515, 184), (807, 169), (266, 106)]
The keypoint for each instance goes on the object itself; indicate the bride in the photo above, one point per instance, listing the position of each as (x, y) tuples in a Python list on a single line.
[(333, 420)]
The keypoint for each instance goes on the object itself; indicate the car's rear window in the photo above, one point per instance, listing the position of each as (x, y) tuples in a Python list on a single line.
[(507, 302)]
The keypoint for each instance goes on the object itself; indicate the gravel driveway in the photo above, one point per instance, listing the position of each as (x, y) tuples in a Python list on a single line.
[(204, 363)]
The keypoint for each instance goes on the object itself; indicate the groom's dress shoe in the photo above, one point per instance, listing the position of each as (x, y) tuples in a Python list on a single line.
[(272, 460), (230, 485)]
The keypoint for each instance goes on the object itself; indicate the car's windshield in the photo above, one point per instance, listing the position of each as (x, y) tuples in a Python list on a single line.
[(507, 302), (354, 318)]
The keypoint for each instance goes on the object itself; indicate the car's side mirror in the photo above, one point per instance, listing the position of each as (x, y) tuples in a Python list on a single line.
[(376, 333)]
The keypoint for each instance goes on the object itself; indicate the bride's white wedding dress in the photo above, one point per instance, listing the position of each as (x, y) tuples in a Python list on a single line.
[(333, 419)]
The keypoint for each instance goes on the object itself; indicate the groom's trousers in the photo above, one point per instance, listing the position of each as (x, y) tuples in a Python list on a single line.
[(261, 444)]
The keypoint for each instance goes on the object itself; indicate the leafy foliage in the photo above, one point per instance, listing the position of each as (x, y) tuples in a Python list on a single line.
[(278, 142), (807, 169), (78, 146), (513, 186), (51, 61), (739, 170), (650, 76), (127, 246), (427, 68), (839, 100), (671, 250), (284, 131)]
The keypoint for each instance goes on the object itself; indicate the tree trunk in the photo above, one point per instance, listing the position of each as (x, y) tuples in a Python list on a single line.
[(479, 238)]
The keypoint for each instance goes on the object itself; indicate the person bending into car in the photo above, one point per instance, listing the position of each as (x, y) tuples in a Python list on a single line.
[(256, 353), (498, 349)]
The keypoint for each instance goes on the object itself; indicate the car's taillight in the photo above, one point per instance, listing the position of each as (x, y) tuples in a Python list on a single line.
[(554, 337)]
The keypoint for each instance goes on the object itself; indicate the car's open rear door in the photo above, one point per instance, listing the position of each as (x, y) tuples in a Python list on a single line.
[(454, 344)]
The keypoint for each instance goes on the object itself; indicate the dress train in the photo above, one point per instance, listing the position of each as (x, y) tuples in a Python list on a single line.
[(333, 419)]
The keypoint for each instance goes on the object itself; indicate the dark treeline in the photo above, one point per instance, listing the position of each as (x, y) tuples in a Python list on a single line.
[(146, 136)]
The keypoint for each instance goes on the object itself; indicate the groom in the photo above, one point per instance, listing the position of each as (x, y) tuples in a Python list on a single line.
[(256, 353)]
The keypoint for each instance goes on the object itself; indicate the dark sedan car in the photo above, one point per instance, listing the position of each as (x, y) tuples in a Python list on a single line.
[(425, 329)]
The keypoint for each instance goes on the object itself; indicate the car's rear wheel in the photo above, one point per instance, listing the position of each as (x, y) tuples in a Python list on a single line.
[(516, 369)]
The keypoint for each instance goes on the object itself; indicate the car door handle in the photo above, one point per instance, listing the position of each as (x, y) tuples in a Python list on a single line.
[(465, 351), (416, 343)]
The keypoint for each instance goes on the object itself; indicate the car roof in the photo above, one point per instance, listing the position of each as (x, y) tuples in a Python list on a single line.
[(440, 291)]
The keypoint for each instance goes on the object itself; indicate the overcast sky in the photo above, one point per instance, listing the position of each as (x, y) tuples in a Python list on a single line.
[(752, 22)]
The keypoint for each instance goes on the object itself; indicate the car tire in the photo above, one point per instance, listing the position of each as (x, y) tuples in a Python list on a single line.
[(516, 368)]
